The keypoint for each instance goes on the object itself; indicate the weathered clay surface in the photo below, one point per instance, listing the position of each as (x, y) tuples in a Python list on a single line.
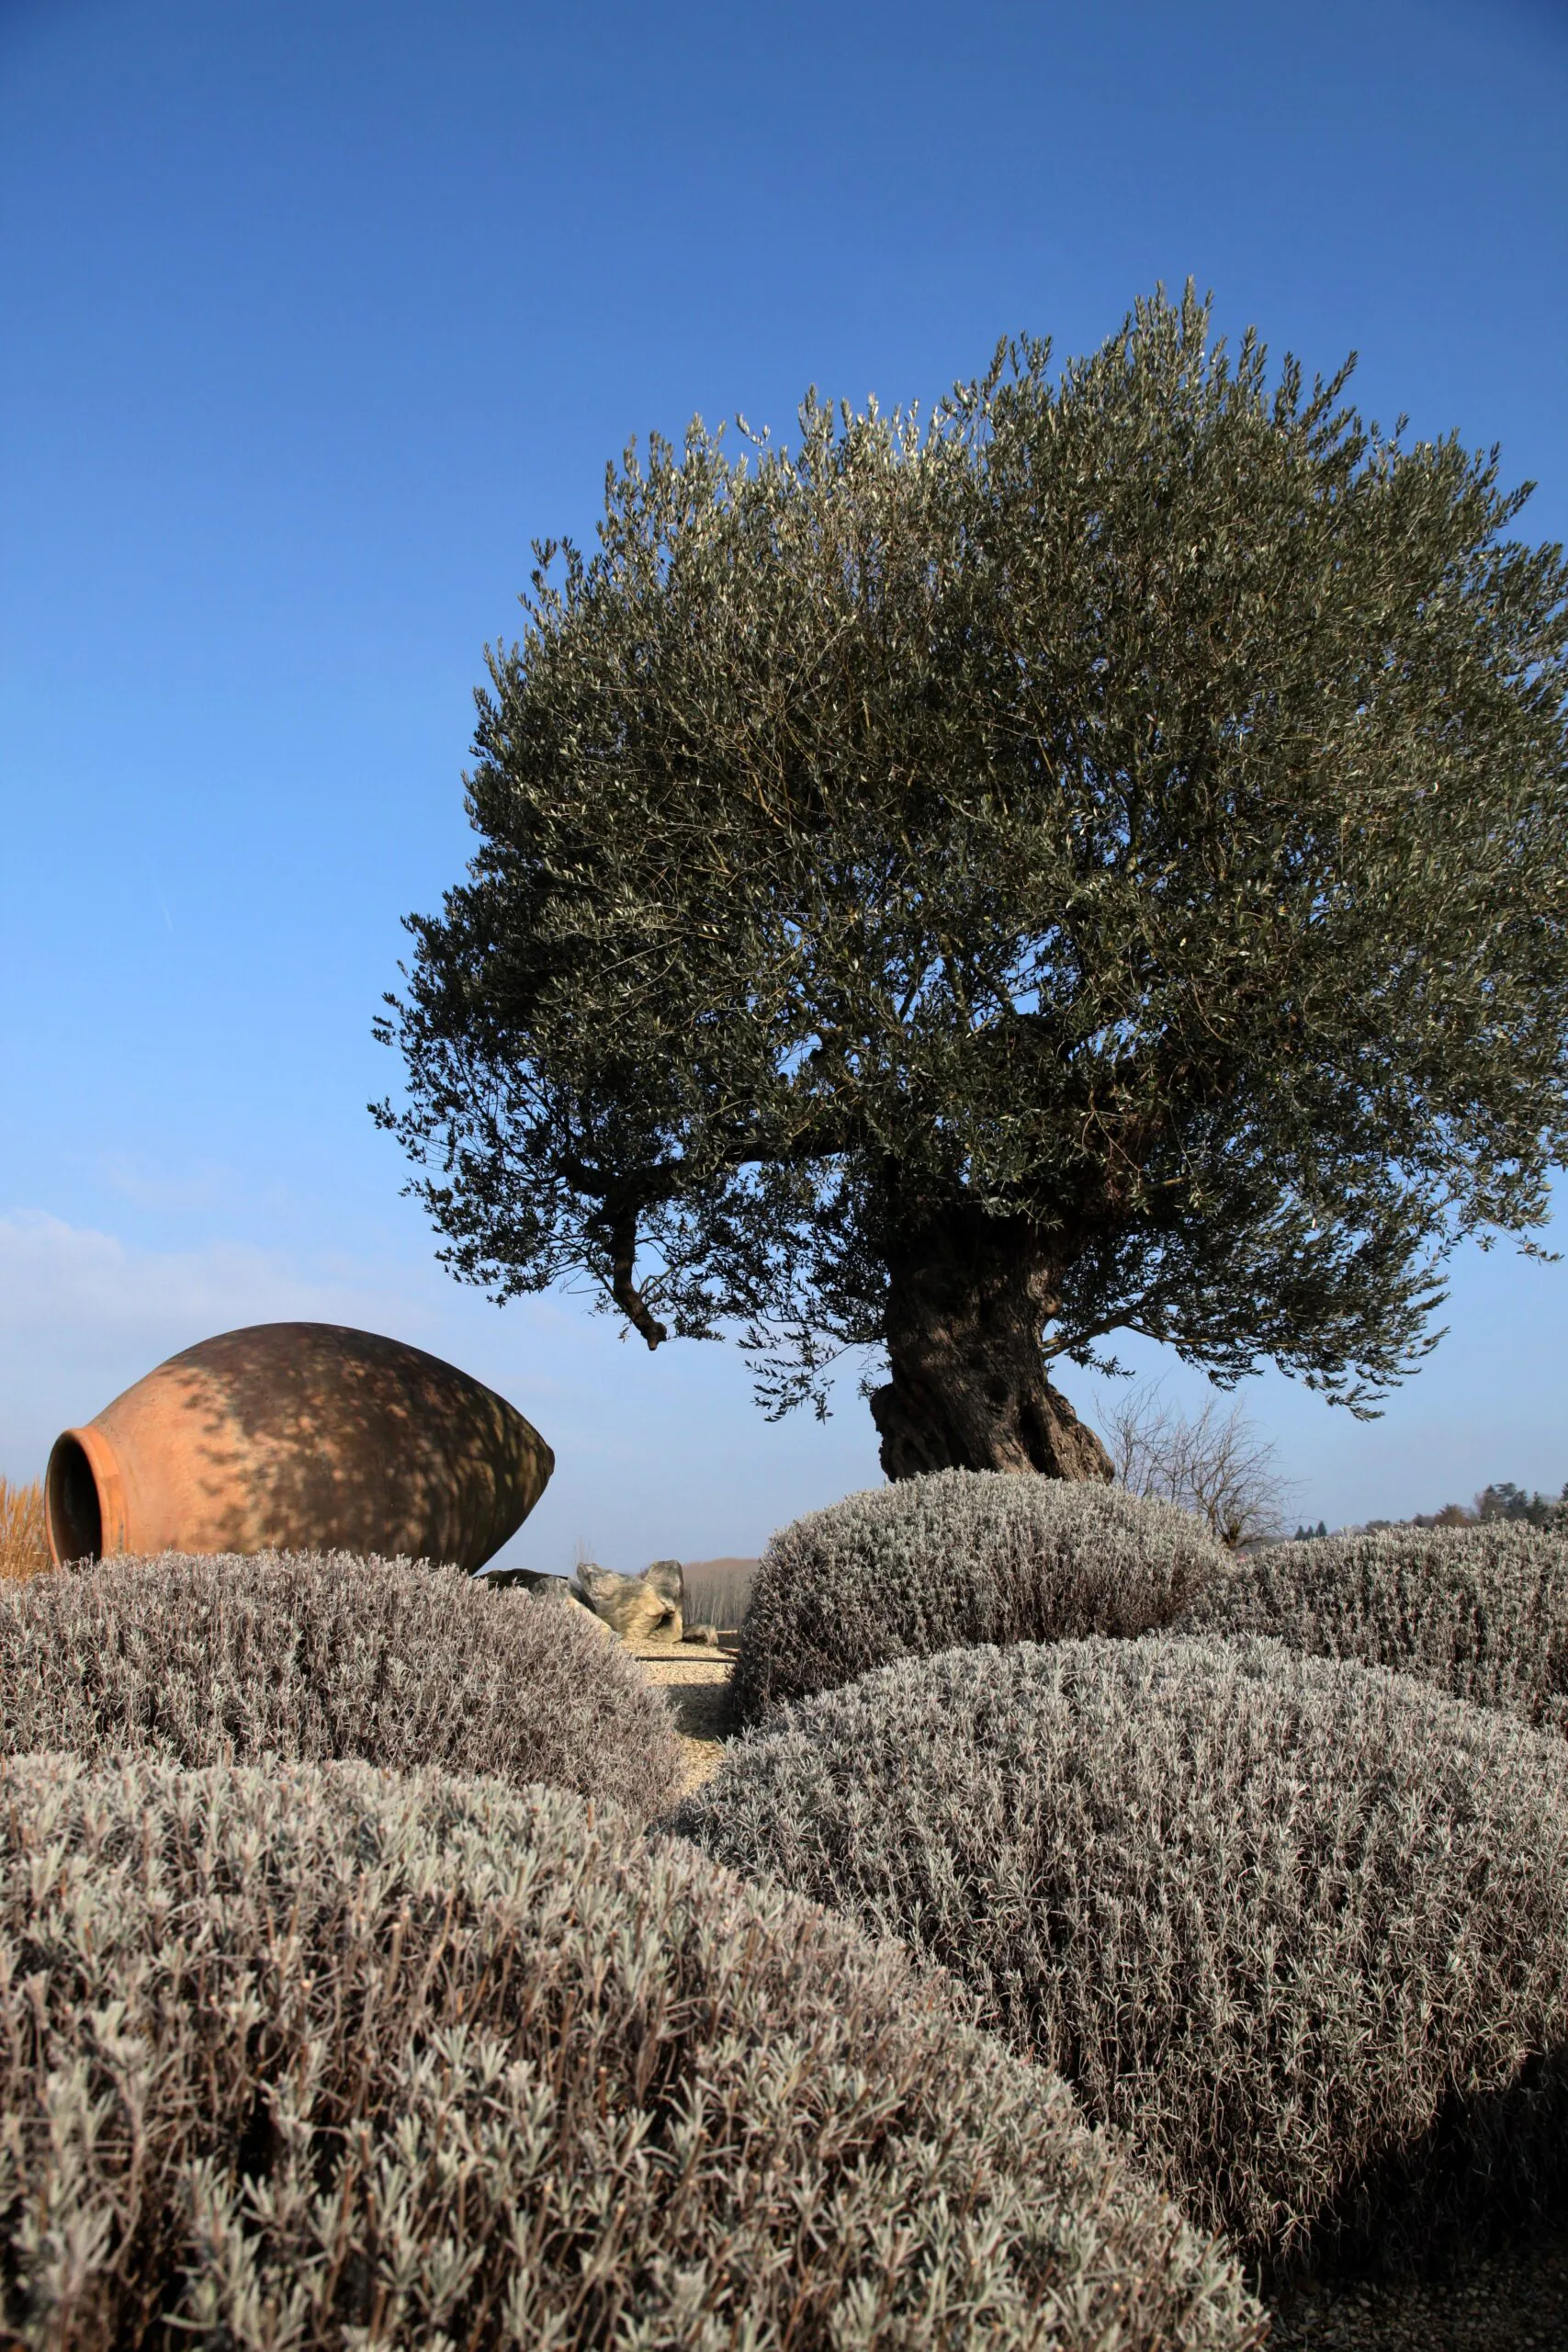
[(297, 1437)]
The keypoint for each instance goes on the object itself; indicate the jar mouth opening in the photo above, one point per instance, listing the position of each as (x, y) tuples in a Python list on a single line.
[(72, 1506)]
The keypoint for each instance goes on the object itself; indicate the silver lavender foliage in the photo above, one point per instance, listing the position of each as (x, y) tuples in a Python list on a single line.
[(305, 1655), (1478, 1611), (1297, 1927), (314, 2056), (954, 1558)]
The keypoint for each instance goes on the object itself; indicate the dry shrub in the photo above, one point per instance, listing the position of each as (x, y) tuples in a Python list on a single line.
[(959, 1557), (1299, 1927), (1216, 1465), (1481, 1611), (24, 1546), (298, 1655), (317, 2057)]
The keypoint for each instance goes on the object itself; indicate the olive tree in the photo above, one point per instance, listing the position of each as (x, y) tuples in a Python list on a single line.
[(1091, 862)]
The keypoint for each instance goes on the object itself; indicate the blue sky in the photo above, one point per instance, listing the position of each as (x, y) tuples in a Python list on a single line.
[(312, 315)]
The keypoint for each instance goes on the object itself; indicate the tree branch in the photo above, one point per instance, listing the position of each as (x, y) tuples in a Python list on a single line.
[(623, 1285)]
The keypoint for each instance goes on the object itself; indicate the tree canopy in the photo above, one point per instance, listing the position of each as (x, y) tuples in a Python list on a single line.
[(1093, 861)]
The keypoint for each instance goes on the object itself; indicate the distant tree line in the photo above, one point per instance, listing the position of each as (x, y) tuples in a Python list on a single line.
[(1502, 1501)]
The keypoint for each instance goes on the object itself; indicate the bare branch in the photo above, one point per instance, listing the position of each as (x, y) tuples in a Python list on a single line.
[(1216, 1465)]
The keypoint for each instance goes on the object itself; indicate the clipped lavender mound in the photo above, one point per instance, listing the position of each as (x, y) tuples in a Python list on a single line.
[(955, 1559), (1480, 1611), (320, 2057), (300, 1655), (1299, 1927)]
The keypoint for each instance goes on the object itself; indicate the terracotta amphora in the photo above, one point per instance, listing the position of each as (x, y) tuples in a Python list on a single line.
[(297, 1437)]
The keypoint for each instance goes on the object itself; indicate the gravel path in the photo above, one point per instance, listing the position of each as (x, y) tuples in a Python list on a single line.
[(696, 1678)]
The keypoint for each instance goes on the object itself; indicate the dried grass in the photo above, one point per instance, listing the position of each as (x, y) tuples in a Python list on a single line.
[(24, 1546), (718, 1592)]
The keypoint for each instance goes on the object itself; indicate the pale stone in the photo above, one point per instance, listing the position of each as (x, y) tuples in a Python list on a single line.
[(649, 1608), (581, 1609)]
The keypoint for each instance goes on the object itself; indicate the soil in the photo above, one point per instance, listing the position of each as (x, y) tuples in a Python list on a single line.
[(1515, 2302)]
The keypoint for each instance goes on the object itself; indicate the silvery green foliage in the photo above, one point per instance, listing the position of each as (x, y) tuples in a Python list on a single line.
[(1102, 849), (1299, 1927), (959, 1558), (301, 1655), (313, 2056), (1481, 1611)]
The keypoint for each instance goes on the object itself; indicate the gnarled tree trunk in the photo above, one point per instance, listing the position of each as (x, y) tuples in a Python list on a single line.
[(968, 1300)]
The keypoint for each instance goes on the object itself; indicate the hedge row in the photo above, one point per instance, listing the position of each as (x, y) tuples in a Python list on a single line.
[(315, 2057), (298, 1656), (1299, 1927), (1481, 1612), (1295, 1925)]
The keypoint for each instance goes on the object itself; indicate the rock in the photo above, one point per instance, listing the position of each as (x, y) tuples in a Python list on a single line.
[(524, 1579), (649, 1608), (545, 1588), (581, 1609)]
